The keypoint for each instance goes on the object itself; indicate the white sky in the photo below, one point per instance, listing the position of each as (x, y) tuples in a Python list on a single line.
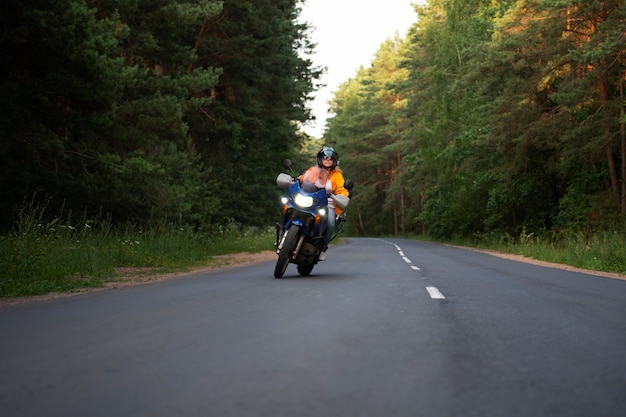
[(348, 33)]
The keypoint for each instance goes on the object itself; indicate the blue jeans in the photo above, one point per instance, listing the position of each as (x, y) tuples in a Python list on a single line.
[(330, 226)]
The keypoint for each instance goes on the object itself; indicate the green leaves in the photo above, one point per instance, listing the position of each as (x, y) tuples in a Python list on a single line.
[(148, 109), (505, 106)]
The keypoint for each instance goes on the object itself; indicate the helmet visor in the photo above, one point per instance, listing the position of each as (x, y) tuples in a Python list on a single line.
[(327, 153)]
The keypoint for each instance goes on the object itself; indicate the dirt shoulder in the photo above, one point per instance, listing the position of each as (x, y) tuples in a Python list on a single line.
[(520, 258), (136, 276), (126, 277)]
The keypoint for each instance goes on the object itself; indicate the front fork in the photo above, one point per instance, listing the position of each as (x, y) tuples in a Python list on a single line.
[(280, 239)]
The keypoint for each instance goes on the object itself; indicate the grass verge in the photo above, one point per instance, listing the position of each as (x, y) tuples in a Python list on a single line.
[(603, 252), (66, 254)]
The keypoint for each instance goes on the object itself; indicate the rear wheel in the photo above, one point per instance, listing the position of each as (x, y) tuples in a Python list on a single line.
[(289, 243), (305, 271)]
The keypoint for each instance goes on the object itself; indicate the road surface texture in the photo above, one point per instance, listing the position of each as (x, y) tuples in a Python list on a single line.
[(384, 327)]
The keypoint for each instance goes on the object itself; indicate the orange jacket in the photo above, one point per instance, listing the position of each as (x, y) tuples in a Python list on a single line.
[(337, 182)]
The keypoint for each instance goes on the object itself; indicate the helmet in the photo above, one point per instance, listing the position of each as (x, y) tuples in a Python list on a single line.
[(328, 152)]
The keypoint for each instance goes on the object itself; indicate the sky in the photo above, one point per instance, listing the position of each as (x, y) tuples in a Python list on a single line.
[(348, 33)]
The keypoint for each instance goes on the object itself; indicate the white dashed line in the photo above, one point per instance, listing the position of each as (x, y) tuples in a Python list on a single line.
[(435, 294)]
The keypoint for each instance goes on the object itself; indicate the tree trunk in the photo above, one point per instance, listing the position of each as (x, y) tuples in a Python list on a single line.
[(622, 130), (402, 213), (203, 30), (361, 224), (604, 96), (395, 219)]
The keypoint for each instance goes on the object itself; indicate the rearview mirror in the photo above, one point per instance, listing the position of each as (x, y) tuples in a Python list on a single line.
[(287, 163), (283, 181)]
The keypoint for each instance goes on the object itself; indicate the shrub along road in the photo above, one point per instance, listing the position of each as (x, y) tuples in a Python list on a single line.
[(384, 327)]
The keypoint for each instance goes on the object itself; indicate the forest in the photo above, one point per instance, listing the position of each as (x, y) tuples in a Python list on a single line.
[(489, 117), (144, 111), (492, 118)]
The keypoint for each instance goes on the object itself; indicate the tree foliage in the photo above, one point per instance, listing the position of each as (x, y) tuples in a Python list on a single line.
[(151, 109), (511, 120), (490, 116)]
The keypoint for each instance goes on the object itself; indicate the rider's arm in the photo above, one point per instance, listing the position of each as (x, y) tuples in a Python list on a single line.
[(337, 182)]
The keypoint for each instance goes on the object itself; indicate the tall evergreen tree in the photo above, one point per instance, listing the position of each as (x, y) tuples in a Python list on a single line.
[(367, 129), (148, 109), (267, 78), (94, 106)]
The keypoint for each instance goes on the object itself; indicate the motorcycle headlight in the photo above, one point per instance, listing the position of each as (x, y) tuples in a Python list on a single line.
[(303, 200), (284, 200), (322, 212)]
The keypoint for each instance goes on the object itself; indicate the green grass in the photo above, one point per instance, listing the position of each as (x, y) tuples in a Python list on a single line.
[(605, 252), (67, 254), (70, 253)]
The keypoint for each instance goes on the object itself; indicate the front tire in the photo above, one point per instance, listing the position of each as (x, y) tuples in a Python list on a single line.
[(289, 243)]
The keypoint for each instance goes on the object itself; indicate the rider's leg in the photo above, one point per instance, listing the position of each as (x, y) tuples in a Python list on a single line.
[(330, 227)]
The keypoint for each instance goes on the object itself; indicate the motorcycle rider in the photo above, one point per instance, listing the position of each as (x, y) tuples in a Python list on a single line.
[(327, 175)]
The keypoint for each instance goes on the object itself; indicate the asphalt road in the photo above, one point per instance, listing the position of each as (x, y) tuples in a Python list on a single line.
[(382, 328)]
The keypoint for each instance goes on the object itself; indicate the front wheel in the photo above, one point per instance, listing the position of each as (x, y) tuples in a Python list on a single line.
[(289, 243)]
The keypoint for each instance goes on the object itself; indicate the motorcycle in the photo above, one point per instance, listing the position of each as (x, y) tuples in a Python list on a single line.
[(300, 235)]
